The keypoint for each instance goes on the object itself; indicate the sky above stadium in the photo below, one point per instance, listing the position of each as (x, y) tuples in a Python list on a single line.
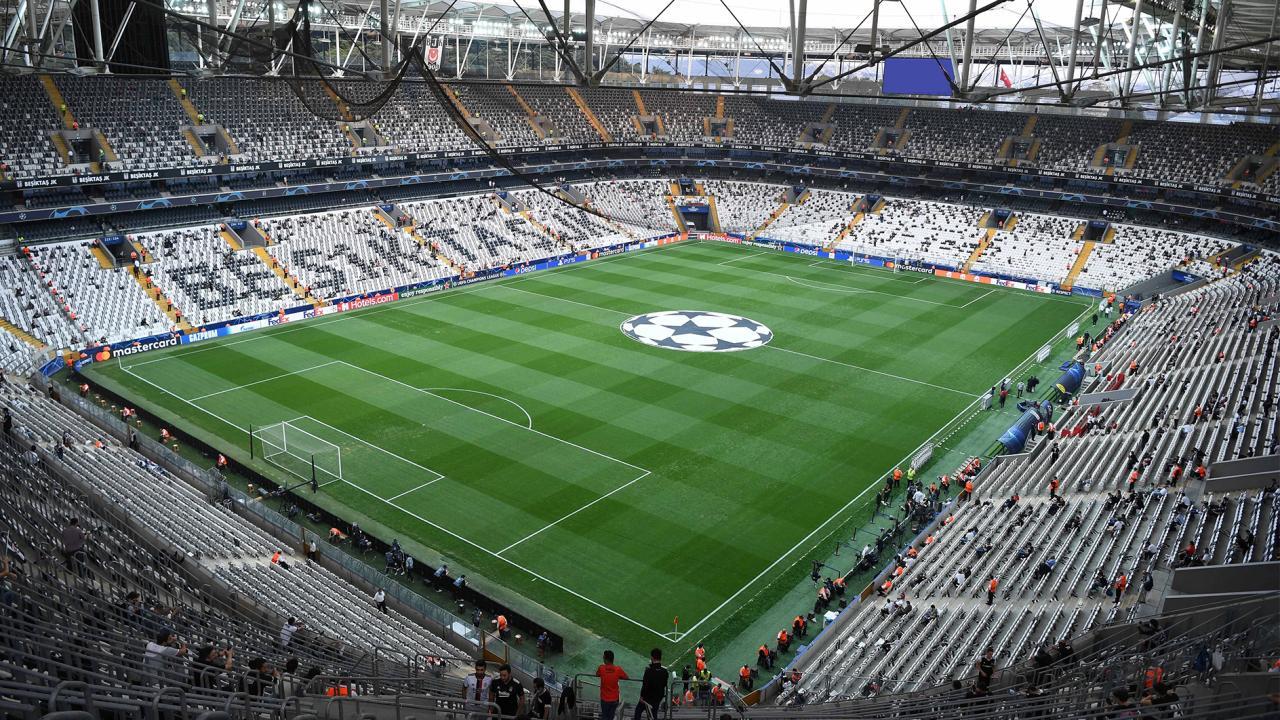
[(842, 14)]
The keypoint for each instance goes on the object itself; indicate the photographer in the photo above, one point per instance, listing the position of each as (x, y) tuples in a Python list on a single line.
[(210, 667)]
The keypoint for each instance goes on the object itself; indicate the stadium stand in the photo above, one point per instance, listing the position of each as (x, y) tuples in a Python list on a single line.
[(743, 207), (140, 119), (266, 120), (107, 304), (1118, 508), (207, 281), (153, 553), (475, 234), (349, 252), (25, 147), (933, 232), (816, 221), (495, 104), (554, 102)]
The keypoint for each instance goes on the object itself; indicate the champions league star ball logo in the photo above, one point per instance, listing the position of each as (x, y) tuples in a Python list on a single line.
[(696, 331)]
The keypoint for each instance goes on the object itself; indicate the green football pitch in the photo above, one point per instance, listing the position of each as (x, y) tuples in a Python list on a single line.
[(512, 427)]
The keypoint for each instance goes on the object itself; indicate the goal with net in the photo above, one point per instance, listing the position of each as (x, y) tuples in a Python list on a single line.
[(298, 452)]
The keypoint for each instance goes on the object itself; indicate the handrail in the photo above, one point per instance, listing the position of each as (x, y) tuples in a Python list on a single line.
[(169, 690), (68, 685)]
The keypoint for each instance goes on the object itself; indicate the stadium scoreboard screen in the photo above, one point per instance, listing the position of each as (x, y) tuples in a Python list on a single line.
[(918, 76)]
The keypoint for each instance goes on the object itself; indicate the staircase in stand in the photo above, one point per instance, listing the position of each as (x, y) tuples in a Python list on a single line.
[(192, 114), (777, 213), (635, 94), (162, 301), (104, 259), (844, 233), (604, 134), (1077, 267), (530, 114), (231, 240), (290, 281), (983, 244), (55, 97), (22, 335)]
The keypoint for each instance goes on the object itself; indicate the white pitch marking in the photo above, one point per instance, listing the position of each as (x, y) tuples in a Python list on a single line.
[(516, 565), (742, 257), (495, 417), (425, 484), (258, 382), (832, 286), (401, 458), (520, 407), (549, 525), (865, 369), (978, 298)]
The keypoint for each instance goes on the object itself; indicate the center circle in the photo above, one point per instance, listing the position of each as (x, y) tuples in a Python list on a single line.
[(696, 331)]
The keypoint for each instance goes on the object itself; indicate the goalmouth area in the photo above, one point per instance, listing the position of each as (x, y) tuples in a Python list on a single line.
[(583, 477)]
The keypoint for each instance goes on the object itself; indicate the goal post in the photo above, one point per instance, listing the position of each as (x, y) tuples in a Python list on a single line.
[(297, 452)]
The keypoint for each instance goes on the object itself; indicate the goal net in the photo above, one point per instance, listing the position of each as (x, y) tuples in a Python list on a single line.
[(298, 452)]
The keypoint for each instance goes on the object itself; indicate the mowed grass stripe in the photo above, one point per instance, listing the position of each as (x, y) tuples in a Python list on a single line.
[(749, 451)]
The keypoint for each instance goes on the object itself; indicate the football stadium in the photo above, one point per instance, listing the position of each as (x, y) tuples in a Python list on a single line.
[(567, 359)]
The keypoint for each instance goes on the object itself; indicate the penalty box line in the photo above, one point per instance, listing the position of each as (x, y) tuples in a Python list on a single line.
[(416, 516), (516, 565), (643, 472)]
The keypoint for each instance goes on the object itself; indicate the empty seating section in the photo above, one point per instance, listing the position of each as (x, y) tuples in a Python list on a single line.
[(950, 134), (614, 109), (496, 104), (1138, 253), (266, 120), (918, 230), (857, 125), (1069, 142), (349, 252), (141, 120), (817, 221), (638, 203), (682, 113), (29, 303), (1191, 350), (1197, 153), (557, 106), (25, 146), (340, 621), (108, 304), (743, 206), (413, 120), (576, 229), (1038, 247), (774, 123), (209, 282), (475, 234)]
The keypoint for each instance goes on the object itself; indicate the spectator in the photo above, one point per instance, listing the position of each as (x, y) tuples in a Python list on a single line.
[(287, 631), (73, 542), (507, 693), (261, 677), (210, 666), (653, 687), (161, 652), (986, 667), (380, 600), (477, 684), (540, 703), (609, 675)]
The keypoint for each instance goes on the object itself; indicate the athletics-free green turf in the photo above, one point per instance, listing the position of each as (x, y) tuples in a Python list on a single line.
[(513, 428)]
